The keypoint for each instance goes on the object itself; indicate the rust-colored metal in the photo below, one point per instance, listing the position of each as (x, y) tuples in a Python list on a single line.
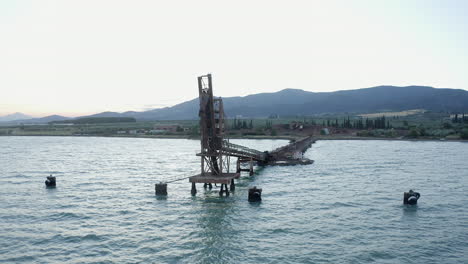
[(212, 130), (216, 149)]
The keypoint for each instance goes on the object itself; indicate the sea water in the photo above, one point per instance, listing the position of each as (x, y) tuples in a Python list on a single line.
[(345, 208)]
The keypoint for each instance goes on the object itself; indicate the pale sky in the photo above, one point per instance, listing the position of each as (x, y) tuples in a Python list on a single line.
[(82, 57)]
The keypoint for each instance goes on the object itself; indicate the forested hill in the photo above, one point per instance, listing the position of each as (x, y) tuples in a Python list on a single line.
[(291, 102)]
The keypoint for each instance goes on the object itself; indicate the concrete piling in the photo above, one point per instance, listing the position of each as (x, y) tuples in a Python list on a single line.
[(194, 189), (161, 188), (233, 185), (224, 189), (251, 170), (51, 181), (411, 197), (255, 195)]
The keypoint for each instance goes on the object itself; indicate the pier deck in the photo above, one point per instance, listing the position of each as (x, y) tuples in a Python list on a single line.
[(291, 154), (226, 178)]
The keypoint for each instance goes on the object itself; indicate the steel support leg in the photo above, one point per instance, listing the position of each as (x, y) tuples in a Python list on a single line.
[(251, 168), (233, 185), (194, 189), (221, 190)]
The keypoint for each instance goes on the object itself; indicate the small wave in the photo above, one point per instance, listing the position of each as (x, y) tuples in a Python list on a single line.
[(15, 182), (93, 237), (21, 176), (91, 183), (76, 239), (340, 204), (67, 216), (17, 176), (280, 230), (323, 207), (376, 255), (20, 259)]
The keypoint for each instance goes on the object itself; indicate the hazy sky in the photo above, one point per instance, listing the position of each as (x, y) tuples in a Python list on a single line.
[(80, 57)]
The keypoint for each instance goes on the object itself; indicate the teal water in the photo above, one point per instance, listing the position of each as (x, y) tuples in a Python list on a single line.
[(345, 208)]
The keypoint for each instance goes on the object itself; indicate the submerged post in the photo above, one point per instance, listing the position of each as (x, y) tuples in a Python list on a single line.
[(411, 197), (161, 188), (233, 185), (255, 195), (194, 189), (224, 189), (51, 181), (251, 171)]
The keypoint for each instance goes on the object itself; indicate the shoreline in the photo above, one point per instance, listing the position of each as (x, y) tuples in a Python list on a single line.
[(285, 137), (393, 139)]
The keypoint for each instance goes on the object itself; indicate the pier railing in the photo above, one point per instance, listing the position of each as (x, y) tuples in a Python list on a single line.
[(292, 149), (231, 149)]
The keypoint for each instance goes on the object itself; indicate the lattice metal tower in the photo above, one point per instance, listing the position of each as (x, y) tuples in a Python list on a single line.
[(212, 130)]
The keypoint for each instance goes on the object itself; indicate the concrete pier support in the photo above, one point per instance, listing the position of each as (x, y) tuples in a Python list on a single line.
[(160, 188), (51, 181), (194, 189), (233, 186), (208, 180), (251, 172), (224, 189), (255, 195), (411, 197)]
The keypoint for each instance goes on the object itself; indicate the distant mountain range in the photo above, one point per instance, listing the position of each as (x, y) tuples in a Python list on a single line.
[(14, 116), (41, 120), (293, 102)]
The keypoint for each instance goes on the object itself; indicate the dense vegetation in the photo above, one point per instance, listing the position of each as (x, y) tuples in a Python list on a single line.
[(423, 125)]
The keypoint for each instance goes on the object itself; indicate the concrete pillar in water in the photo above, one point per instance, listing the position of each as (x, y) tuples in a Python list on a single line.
[(161, 188), (51, 181), (411, 197), (233, 185), (255, 195), (194, 189), (251, 172), (221, 190), (224, 189)]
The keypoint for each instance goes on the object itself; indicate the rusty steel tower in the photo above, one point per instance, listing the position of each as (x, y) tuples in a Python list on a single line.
[(214, 161), (212, 129)]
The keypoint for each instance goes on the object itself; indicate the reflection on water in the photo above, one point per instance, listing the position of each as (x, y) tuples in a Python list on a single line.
[(410, 211), (216, 231)]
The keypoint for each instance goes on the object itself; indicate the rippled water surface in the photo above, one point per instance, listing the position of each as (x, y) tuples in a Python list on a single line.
[(345, 208)]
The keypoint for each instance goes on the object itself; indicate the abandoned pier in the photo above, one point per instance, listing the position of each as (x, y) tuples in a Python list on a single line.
[(216, 150)]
